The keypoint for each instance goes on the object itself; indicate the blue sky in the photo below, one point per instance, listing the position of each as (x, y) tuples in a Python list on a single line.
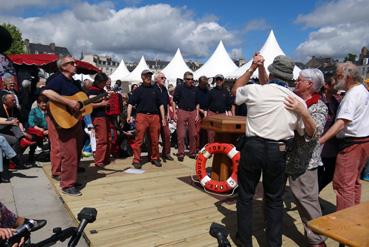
[(132, 28)]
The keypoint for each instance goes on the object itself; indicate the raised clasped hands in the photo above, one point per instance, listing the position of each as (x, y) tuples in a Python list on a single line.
[(258, 59)]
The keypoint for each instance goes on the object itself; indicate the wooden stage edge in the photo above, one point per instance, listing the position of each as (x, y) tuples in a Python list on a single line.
[(162, 207)]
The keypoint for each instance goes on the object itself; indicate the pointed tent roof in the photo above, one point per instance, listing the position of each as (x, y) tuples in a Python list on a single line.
[(269, 51), (218, 63), (135, 75), (120, 72), (176, 68), (82, 77)]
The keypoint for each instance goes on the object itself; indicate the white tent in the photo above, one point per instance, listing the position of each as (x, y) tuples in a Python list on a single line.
[(269, 51), (218, 63), (176, 68), (120, 72), (135, 75)]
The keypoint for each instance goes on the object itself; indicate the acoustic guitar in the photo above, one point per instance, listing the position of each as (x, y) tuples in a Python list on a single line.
[(65, 117)]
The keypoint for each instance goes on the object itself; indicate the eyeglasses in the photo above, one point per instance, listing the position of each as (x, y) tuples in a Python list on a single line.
[(189, 79), (73, 63)]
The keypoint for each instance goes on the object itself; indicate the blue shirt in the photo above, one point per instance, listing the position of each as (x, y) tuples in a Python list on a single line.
[(62, 85), (186, 97), (203, 95), (147, 99)]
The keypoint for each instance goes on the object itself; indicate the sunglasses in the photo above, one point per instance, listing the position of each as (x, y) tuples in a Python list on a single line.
[(163, 78), (73, 63), (189, 79)]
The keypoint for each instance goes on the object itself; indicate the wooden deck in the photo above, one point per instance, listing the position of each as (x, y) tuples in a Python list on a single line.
[(162, 207)]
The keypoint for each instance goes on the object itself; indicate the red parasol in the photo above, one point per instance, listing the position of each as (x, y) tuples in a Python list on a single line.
[(48, 62)]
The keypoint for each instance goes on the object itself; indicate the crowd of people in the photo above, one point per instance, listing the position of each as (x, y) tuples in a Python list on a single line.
[(309, 136)]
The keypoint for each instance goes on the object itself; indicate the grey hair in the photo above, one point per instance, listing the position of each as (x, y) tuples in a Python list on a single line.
[(315, 76), (60, 61), (3, 98), (157, 74), (350, 69)]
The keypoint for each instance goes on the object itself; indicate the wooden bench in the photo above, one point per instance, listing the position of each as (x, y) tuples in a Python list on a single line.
[(349, 226)]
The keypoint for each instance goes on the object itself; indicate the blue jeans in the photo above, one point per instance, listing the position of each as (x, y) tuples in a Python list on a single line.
[(258, 157), (7, 150)]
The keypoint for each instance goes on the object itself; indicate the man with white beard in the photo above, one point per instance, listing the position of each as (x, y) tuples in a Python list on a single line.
[(352, 129)]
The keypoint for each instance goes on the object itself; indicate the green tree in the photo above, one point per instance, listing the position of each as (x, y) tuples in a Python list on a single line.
[(350, 57), (18, 43)]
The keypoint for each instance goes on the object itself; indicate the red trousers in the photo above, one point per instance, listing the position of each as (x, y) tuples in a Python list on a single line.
[(55, 156), (211, 133), (165, 137), (346, 180), (186, 118), (68, 143), (102, 153), (150, 123)]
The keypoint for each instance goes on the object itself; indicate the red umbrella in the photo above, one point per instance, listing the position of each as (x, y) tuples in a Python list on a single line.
[(48, 62)]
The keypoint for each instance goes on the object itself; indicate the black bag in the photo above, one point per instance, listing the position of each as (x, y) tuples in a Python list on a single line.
[(44, 156)]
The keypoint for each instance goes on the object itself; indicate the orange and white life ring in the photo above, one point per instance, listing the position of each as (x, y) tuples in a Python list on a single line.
[(204, 154)]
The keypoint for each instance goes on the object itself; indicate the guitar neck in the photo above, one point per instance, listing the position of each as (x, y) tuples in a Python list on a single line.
[(94, 99)]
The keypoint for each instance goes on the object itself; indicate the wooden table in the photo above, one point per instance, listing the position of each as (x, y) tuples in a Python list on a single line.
[(227, 129), (349, 226)]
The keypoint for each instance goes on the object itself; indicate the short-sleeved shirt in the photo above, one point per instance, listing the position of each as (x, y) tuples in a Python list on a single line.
[(219, 100), (186, 97), (355, 108), (164, 97), (147, 99), (100, 111), (267, 116), (62, 85)]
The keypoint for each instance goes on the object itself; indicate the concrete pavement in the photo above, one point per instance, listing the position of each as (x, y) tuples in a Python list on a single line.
[(31, 195)]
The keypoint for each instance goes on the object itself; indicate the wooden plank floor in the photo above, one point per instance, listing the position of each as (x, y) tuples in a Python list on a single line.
[(162, 208)]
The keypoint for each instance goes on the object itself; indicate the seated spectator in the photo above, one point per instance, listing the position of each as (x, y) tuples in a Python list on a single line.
[(10, 86), (11, 127), (37, 124), (9, 221), (10, 154)]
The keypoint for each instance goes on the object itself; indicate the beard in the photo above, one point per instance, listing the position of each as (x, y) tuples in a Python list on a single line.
[(340, 85)]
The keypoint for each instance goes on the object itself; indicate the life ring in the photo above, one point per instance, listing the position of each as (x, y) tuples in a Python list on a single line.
[(204, 154)]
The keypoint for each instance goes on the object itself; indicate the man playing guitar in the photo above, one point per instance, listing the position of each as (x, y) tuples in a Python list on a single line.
[(66, 144)]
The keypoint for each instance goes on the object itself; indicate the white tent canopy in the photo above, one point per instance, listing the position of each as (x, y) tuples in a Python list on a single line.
[(176, 68), (120, 72), (218, 63), (135, 75), (269, 51)]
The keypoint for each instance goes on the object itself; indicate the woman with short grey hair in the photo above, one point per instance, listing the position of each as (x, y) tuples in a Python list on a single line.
[(304, 158)]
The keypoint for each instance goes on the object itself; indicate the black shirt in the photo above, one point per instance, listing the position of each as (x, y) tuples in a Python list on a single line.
[(220, 100), (62, 85), (203, 95), (164, 97), (100, 111), (147, 99), (186, 97)]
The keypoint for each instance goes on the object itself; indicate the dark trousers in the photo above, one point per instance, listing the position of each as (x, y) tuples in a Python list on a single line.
[(261, 157), (325, 172)]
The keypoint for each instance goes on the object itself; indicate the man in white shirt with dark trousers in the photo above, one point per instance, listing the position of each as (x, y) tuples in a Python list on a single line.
[(271, 122)]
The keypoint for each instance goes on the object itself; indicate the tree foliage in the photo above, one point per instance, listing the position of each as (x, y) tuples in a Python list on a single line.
[(350, 57), (18, 43)]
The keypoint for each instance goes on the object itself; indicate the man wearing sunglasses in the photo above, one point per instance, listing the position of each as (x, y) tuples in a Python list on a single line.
[(185, 96), (164, 131), (66, 144)]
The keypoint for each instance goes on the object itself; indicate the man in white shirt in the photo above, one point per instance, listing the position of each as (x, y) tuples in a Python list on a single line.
[(352, 130), (271, 123)]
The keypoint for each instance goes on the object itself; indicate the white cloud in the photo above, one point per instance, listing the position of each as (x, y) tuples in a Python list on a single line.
[(256, 25), (342, 27), (153, 30)]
